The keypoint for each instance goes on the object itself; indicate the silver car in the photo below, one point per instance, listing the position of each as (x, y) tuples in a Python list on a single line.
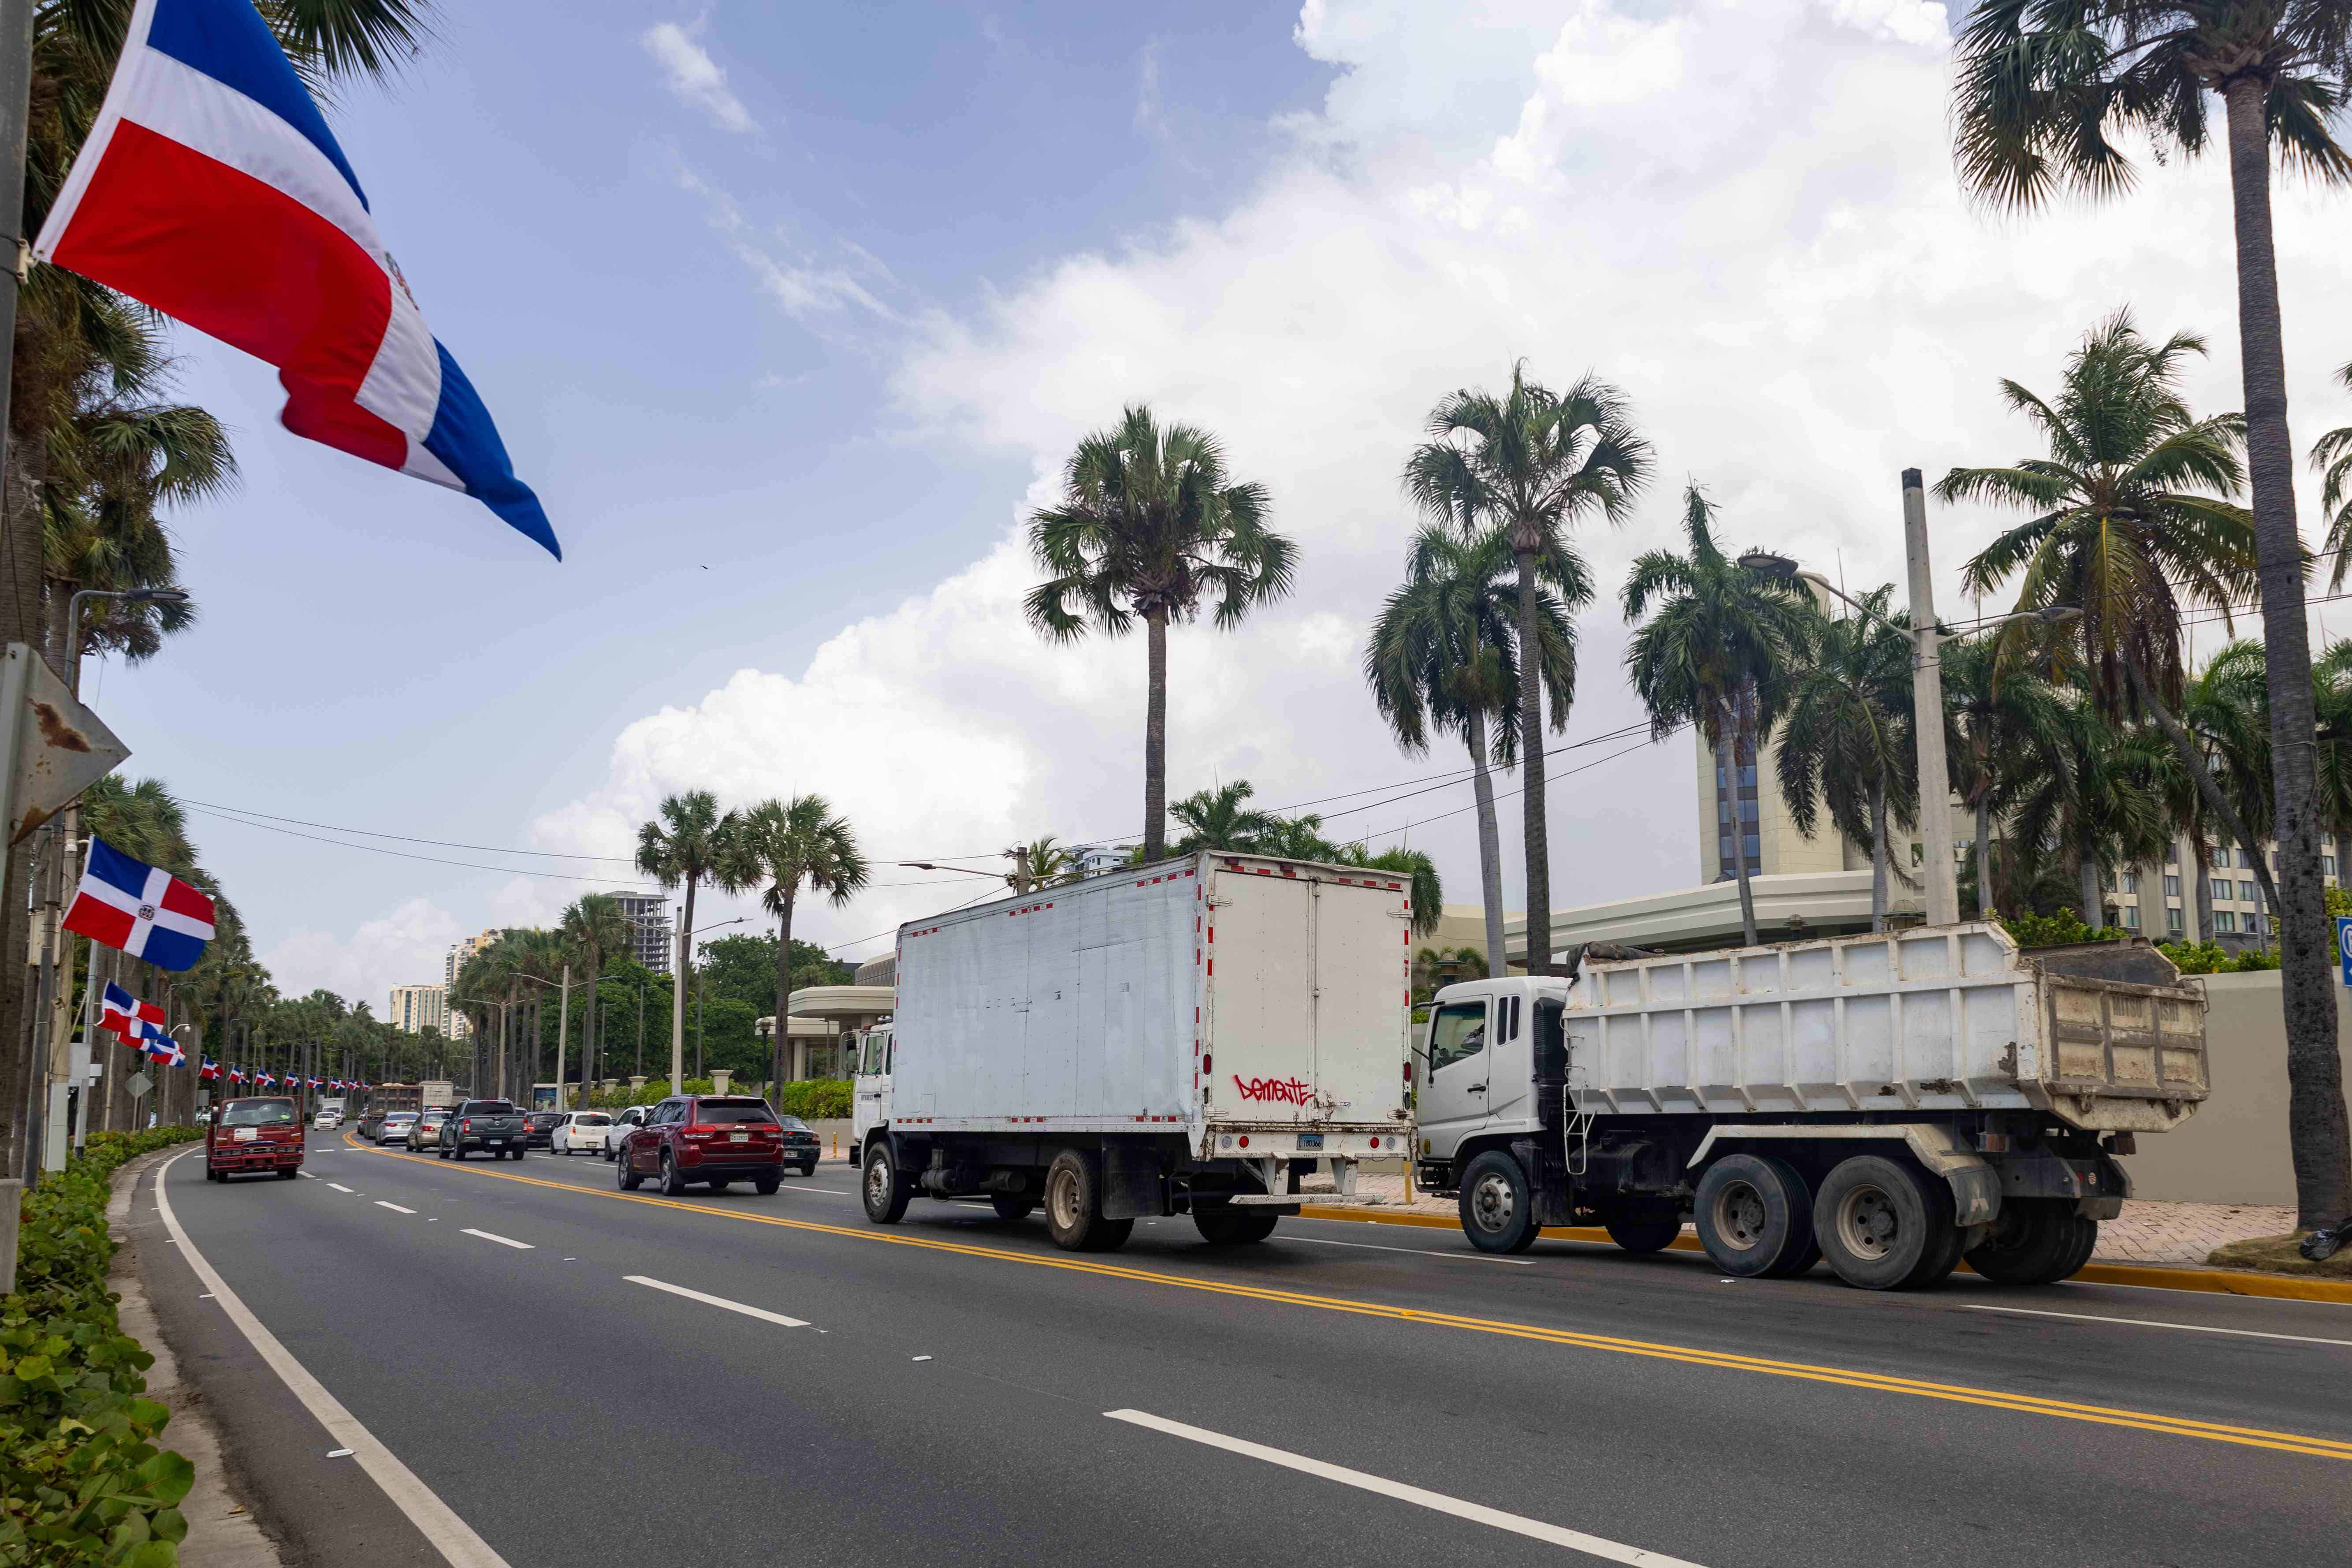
[(394, 1128)]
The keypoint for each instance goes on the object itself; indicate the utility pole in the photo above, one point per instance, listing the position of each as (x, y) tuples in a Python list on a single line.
[(641, 1029), (677, 1007), (562, 1038), (1928, 712), (1020, 869)]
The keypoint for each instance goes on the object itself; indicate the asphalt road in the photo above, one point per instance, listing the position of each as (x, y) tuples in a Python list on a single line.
[(943, 1391)]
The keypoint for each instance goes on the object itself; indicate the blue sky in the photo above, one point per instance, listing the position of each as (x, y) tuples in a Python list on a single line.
[(788, 314)]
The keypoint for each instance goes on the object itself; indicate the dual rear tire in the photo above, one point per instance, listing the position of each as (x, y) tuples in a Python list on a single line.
[(2036, 1241), (1222, 1223), (1887, 1225), (1755, 1217)]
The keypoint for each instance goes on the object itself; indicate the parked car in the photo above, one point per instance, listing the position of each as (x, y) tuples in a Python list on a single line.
[(539, 1128), (392, 1126), (800, 1143), (579, 1130), (706, 1138), (424, 1132), (257, 1134), (623, 1124), (493, 1127)]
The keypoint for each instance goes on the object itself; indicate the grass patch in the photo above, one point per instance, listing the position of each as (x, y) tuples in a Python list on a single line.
[(2277, 1254)]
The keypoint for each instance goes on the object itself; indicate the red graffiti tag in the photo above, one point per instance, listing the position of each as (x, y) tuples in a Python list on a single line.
[(1290, 1090)]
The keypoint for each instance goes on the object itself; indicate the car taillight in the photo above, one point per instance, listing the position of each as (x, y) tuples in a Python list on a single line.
[(467, 1125)]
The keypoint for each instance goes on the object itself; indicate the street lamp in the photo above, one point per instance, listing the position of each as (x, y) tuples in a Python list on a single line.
[(684, 945)]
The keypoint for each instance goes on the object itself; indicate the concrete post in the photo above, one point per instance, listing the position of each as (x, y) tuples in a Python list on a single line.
[(1927, 709)]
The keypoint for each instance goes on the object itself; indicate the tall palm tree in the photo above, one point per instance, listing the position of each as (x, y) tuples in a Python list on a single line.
[(2042, 85), (1534, 463), (2001, 724), (1720, 653), (2099, 807), (685, 848), (593, 929), (2331, 455), (2135, 523), (2224, 708), (1443, 654), (781, 847), (1149, 524), (1428, 891), (1219, 819), (1846, 735), (2331, 679)]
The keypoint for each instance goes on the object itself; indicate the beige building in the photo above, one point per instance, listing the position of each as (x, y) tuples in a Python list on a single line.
[(415, 1009)]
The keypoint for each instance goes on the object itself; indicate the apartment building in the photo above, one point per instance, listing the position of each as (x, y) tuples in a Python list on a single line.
[(649, 917), (2160, 901), (415, 1009)]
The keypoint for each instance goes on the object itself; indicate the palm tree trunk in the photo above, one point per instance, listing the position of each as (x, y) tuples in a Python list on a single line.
[(1878, 855), (779, 1053), (1532, 772), (2318, 1133), (1490, 846), (1740, 744), (1155, 756), (2204, 862), (1984, 855)]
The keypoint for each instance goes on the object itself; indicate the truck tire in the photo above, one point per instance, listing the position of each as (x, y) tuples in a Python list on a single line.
[(1755, 1216), (287, 1173), (2027, 1245), (1074, 1215), (1499, 1211), (2087, 1242), (1882, 1225), (1223, 1224), (886, 1195), (1011, 1206), (1643, 1231)]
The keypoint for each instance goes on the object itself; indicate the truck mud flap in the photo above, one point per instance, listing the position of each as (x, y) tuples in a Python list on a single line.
[(1134, 1186)]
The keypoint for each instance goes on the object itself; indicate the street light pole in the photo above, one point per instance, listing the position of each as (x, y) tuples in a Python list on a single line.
[(1928, 708), (677, 1007)]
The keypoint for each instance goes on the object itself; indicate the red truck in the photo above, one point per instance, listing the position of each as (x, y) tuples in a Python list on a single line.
[(260, 1134)]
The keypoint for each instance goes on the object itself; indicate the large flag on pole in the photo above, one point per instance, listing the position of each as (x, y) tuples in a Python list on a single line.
[(211, 189), (146, 912)]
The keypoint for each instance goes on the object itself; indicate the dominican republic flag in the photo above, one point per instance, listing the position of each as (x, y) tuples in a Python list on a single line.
[(236, 1074), (162, 1047), (209, 1070), (147, 913), (265, 1079), (122, 1012), (211, 189)]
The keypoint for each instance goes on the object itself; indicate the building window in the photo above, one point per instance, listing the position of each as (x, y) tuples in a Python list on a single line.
[(2225, 919), (2246, 891), (2245, 861), (2131, 881), (2327, 865), (2131, 917), (2224, 889), (2254, 925), (2172, 922), (2171, 886), (2172, 853)]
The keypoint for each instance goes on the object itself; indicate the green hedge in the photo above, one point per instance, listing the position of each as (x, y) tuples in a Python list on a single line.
[(816, 1100), (81, 1481)]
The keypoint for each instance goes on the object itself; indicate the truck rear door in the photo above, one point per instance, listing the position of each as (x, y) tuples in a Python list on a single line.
[(1265, 998)]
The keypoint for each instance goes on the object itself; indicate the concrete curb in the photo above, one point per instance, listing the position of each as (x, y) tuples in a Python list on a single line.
[(2146, 1276)]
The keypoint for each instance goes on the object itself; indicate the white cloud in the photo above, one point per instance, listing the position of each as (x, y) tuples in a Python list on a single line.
[(1745, 214), (694, 77), (811, 292), (402, 948)]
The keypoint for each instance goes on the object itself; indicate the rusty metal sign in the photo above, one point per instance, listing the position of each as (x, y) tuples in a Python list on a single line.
[(55, 747)]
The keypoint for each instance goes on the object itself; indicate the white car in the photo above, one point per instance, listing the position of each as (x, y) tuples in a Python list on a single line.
[(579, 1130), (329, 1119), (628, 1121)]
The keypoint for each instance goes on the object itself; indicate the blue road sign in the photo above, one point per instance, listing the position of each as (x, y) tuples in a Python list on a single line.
[(2344, 946)]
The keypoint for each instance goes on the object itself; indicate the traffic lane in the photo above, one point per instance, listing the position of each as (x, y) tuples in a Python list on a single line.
[(2150, 1492), (1934, 1334)]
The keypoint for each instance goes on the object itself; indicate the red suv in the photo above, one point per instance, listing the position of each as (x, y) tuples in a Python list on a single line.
[(706, 1138), (252, 1136)]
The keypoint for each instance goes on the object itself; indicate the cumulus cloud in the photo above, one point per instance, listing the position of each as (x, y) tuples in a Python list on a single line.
[(1746, 216), (812, 292), (405, 947), (694, 77)]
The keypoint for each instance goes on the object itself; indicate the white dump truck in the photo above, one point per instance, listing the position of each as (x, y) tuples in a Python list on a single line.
[(1195, 1036), (1889, 1102)]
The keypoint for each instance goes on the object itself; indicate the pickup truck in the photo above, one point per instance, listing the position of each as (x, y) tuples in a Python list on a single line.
[(494, 1126), (262, 1134)]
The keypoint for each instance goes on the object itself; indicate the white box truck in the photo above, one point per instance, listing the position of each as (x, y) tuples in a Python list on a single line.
[(1891, 1102), (1193, 1036)]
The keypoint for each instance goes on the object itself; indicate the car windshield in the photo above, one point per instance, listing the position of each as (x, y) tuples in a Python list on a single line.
[(721, 1113), (257, 1113), (792, 1123)]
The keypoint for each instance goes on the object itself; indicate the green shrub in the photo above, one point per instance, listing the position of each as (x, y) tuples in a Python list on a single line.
[(2212, 958), (2054, 930), (81, 1481), (815, 1099)]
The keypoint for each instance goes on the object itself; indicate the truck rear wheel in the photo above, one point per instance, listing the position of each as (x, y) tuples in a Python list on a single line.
[(1755, 1217), (1011, 1206), (1883, 1226), (2030, 1244), (2087, 1242), (886, 1195), (1223, 1224), (1643, 1231), (1499, 1211), (1074, 1215)]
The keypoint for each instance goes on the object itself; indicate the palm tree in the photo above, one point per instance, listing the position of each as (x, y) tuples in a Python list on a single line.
[(2000, 725), (782, 847), (1718, 654), (2096, 805), (2331, 679), (2224, 708), (2332, 456), (1041, 863), (1149, 524), (685, 849), (2041, 84), (1533, 463), (593, 929), (2134, 516), (1427, 890), (1846, 741), (1444, 654), (1217, 819)]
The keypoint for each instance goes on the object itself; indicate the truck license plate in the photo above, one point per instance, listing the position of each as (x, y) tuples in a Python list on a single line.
[(1310, 1139)]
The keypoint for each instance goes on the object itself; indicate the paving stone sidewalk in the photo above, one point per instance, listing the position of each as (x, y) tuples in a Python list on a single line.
[(2148, 1232)]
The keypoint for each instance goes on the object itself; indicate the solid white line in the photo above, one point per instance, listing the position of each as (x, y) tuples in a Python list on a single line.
[(451, 1536), (502, 1241), (2145, 1324), (393, 1208), (339, 1186), (1477, 1513), (1416, 1251), (720, 1301)]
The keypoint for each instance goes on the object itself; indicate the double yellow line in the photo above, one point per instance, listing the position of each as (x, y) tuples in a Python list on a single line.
[(1958, 1394)]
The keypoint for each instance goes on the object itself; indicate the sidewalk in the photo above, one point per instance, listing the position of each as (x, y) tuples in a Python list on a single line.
[(2148, 1232)]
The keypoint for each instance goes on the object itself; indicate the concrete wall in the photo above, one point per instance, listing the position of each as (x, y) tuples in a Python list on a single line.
[(2234, 1149)]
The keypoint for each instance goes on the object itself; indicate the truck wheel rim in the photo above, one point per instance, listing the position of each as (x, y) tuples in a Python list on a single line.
[(1867, 1224), (1739, 1215), (877, 1182), (1494, 1203), (1066, 1201)]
